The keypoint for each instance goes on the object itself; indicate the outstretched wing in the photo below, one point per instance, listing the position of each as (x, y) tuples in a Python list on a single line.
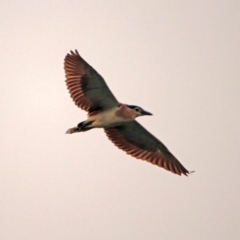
[(87, 88), (135, 140)]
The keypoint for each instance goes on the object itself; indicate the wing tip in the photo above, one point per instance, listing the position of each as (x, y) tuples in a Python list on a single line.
[(187, 173), (73, 53)]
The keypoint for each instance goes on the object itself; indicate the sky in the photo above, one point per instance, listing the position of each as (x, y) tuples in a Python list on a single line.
[(177, 59)]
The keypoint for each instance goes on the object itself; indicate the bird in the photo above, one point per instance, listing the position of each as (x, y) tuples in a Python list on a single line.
[(90, 92)]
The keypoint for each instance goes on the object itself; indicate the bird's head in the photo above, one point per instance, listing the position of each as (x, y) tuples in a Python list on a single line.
[(139, 111)]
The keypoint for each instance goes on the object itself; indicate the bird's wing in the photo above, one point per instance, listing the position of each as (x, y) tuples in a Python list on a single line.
[(87, 88), (135, 140)]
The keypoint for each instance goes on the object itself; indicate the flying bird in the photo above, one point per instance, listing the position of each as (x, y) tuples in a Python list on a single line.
[(90, 92)]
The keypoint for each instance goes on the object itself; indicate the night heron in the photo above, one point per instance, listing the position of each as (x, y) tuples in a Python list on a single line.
[(90, 92)]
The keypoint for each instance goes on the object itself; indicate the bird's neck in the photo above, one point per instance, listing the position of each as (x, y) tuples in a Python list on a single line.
[(125, 112)]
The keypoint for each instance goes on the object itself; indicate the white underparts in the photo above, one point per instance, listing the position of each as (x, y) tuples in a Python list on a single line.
[(107, 119)]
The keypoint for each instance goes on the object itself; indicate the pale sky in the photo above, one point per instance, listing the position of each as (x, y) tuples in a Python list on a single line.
[(179, 60)]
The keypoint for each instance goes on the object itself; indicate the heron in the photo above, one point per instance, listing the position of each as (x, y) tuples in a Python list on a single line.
[(90, 92)]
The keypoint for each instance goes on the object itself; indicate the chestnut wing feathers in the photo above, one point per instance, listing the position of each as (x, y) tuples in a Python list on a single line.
[(87, 88), (135, 140)]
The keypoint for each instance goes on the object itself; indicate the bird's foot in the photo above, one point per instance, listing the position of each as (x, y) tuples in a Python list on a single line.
[(81, 127), (73, 130)]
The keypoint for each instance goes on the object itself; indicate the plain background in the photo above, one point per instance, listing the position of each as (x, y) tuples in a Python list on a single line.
[(177, 59)]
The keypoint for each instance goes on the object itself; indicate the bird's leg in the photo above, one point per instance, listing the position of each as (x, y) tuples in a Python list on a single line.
[(85, 126), (81, 127)]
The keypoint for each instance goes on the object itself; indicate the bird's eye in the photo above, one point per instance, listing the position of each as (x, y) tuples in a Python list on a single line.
[(137, 109)]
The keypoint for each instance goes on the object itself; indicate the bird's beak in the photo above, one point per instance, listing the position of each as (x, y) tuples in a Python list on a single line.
[(146, 113)]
